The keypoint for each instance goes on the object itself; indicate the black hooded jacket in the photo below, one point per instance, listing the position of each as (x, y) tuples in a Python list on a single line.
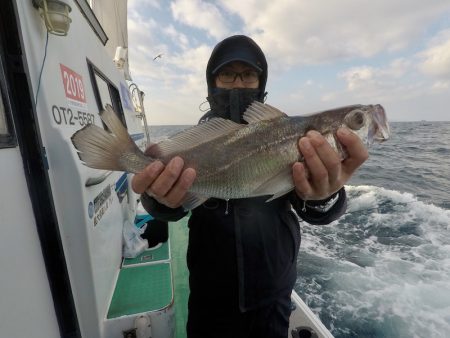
[(242, 251)]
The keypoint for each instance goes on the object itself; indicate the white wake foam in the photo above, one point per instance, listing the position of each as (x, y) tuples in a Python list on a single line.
[(384, 264)]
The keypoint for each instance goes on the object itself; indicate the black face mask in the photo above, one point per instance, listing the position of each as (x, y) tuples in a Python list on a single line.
[(230, 104)]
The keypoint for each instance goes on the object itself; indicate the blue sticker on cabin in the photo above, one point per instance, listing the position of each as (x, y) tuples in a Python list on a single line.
[(122, 187), (126, 98)]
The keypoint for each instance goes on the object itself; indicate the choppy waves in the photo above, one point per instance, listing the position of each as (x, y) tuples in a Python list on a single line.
[(382, 270)]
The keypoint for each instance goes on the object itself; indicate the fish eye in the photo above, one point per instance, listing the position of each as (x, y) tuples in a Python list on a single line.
[(355, 120)]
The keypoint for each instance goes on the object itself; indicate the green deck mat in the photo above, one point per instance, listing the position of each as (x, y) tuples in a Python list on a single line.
[(178, 247), (149, 256), (141, 289)]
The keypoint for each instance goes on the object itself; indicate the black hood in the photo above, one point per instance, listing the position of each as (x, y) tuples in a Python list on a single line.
[(232, 103), (236, 48)]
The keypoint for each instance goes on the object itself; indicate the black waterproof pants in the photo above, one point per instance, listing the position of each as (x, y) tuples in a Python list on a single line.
[(215, 321)]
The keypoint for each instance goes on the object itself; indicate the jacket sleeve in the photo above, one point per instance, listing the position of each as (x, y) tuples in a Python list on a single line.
[(160, 211), (309, 213)]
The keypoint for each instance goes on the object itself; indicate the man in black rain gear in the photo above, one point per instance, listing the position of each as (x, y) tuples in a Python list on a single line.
[(242, 253)]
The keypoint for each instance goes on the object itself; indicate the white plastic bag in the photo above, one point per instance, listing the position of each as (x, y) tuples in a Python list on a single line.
[(133, 243)]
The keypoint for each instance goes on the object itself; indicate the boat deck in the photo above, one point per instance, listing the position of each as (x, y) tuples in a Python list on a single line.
[(144, 283), (178, 234), (136, 290)]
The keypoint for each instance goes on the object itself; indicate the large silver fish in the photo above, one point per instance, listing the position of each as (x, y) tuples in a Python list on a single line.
[(231, 160)]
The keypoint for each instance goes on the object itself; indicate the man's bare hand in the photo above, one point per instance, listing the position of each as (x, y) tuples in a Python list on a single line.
[(323, 173), (167, 184)]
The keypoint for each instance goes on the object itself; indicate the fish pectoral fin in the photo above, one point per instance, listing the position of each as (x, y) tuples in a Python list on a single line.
[(278, 185), (192, 201), (258, 111)]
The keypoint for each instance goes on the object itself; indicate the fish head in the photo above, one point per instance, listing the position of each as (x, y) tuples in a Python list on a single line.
[(368, 122)]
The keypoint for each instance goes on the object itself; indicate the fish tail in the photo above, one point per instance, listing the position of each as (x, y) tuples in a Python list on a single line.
[(116, 151)]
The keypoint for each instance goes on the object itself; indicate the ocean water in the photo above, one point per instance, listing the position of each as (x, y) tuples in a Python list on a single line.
[(383, 269)]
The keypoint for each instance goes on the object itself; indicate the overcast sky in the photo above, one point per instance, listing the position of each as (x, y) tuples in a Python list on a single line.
[(321, 54)]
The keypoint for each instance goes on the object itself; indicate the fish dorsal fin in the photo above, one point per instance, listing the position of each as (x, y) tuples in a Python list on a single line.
[(258, 111), (194, 136)]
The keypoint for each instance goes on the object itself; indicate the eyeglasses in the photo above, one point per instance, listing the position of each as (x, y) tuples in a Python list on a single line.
[(247, 76)]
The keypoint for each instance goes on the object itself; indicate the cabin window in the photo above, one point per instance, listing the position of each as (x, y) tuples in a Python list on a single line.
[(105, 92), (86, 8)]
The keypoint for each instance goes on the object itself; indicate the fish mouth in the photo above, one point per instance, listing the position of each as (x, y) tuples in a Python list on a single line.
[(380, 131)]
